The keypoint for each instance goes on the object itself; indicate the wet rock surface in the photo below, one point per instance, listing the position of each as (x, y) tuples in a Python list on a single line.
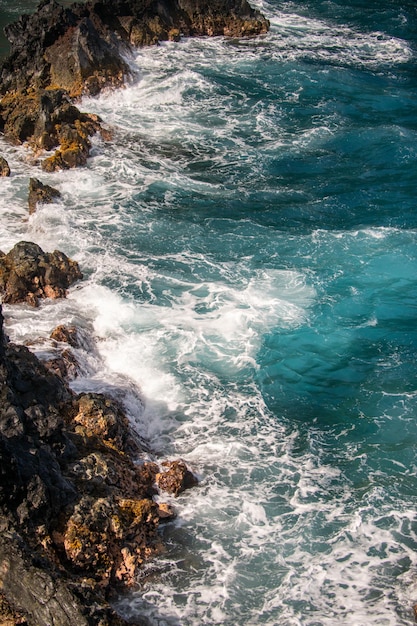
[(175, 477), (77, 513), (40, 194), (4, 168), (58, 54), (27, 274)]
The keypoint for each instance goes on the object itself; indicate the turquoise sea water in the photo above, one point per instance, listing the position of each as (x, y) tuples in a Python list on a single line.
[(249, 244)]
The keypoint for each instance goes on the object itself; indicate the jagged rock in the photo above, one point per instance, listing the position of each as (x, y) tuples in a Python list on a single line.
[(110, 539), (42, 597), (71, 335), (40, 193), (27, 274), (58, 54), (175, 478), (4, 167), (97, 416), (66, 334), (47, 119), (65, 361), (64, 365), (76, 514), (65, 47)]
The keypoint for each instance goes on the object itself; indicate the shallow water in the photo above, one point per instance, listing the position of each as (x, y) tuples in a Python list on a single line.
[(249, 245)]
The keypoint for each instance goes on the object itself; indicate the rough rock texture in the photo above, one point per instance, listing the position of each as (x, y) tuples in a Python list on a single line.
[(58, 54), (175, 477), (40, 193), (27, 274), (4, 167), (81, 48), (77, 517), (67, 341), (69, 334), (8, 616), (48, 119)]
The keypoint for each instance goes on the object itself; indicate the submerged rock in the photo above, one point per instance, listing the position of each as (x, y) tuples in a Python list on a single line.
[(40, 194), (4, 168), (27, 273)]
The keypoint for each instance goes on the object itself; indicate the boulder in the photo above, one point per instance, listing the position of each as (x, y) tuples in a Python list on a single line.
[(28, 274), (40, 193), (175, 477), (68, 334)]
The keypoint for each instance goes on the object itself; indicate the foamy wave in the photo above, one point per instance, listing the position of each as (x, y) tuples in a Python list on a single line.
[(294, 36)]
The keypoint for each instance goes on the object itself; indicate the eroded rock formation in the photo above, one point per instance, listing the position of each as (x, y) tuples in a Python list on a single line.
[(40, 194), (77, 514), (4, 167), (58, 54)]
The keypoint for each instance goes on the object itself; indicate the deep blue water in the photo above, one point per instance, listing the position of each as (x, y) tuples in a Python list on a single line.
[(249, 243)]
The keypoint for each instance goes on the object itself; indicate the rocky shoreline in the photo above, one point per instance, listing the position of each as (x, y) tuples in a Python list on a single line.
[(59, 54), (77, 513), (77, 493)]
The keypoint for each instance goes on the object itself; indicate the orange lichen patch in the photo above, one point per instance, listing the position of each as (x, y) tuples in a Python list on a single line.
[(137, 512), (102, 418), (110, 539)]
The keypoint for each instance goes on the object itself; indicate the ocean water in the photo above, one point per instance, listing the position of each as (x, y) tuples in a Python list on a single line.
[(249, 244)]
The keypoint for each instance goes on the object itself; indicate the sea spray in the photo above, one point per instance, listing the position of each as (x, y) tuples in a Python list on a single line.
[(249, 245)]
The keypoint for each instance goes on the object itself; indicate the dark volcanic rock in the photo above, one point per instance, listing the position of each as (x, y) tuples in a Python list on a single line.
[(58, 54), (40, 193), (66, 48), (45, 598), (27, 274), (76, 512)]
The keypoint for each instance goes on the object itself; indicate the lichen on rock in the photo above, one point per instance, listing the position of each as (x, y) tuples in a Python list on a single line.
[(76, 506), (59, 54)]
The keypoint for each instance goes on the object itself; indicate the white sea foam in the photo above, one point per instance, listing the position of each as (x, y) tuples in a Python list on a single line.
[(287, 526), (295, 36)]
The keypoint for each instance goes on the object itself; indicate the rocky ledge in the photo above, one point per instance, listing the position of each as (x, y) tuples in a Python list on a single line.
[(77, 511), (58, 54)]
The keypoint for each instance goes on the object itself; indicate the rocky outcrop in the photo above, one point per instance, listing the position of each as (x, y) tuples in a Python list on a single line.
[(27, 273), (58, 54), (81, 48), (48, 119), (77, 514), (40, 194)]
